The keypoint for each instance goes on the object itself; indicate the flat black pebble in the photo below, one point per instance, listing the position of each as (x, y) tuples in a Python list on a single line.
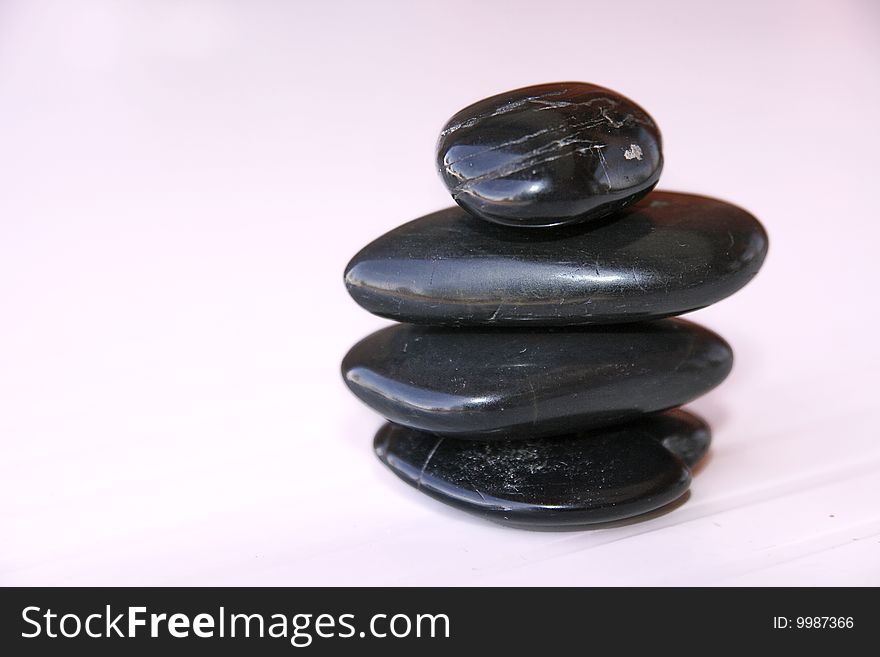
[(561, 482), (496, 384), (549, 154), (669, 254)]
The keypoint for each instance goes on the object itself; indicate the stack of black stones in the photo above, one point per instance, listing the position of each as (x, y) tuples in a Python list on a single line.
[(536, 381)]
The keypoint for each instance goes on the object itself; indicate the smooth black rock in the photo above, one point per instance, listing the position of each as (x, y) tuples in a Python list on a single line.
[(550, 154), (494, 384), (669, 254), (560, 482)]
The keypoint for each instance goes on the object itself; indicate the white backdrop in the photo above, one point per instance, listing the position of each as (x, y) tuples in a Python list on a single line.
[(184, 182)]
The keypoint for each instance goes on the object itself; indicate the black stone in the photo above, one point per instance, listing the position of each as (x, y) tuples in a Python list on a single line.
[(560, 482), (669, 254), (550, 154), (497, 384)]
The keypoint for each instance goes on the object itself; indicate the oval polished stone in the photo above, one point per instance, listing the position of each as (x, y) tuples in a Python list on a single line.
[(491, 384), (669, 254), (550, 154), (560, 482)]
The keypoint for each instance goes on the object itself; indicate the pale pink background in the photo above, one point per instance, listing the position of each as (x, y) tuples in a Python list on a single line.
[(183, 183)]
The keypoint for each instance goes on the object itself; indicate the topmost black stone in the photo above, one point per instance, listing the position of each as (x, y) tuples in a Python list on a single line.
[(550, 154)]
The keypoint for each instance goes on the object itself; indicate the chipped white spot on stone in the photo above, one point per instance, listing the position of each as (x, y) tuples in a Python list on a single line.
[(634, 152)]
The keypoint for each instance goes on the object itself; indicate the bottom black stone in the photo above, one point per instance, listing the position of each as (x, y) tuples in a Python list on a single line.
[(563, 482)]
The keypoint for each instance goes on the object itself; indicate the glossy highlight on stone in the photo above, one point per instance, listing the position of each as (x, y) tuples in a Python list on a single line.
[(684, 434), (669, 254), (549, 154), (560, 482), (498, 384)]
